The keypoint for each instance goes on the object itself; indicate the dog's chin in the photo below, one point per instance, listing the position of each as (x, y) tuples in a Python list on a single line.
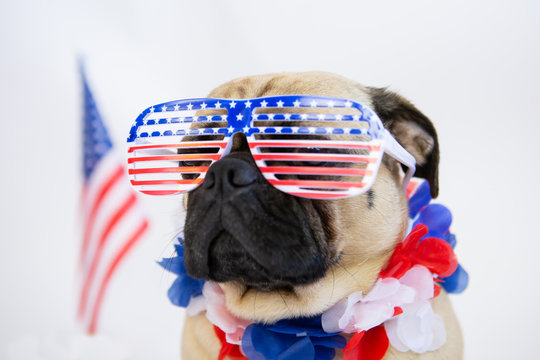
[(271, 305)]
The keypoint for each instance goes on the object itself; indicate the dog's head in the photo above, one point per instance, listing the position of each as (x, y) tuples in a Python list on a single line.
[(276, 255)]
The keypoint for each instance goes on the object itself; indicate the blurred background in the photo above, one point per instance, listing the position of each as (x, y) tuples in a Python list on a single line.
[(471, 66)]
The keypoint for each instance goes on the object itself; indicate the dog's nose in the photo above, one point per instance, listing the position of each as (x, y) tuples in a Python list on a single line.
[(229, 174)]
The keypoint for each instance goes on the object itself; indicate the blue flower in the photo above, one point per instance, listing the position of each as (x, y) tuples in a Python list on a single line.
[(438, 220), (421, 198), (184, 287), (457, 282), (291, 339)]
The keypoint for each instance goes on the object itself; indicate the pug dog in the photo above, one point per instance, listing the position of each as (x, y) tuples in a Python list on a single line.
[(279, 256)]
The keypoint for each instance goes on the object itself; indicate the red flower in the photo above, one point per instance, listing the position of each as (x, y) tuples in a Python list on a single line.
[(367, 345), (433, 253), (230, 350)]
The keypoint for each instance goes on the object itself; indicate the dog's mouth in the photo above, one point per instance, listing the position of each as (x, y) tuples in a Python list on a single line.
[(264, 243), (257, 261), (240, 228), (229, 260)]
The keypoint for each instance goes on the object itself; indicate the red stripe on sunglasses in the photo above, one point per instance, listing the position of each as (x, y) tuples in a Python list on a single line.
[(318, 183), (175, 157), (160, 192), (322, 144), (322, 195), (310, 157), (165, 182), (180, 169), (180, 145), (315, 170)]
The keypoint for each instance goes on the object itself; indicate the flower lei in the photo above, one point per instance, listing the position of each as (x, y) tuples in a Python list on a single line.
[(395, 311)]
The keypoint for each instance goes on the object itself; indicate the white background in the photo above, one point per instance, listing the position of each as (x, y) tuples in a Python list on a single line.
[(471, 66)]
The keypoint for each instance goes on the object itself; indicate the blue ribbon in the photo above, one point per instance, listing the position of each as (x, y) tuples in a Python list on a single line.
[(291, 339)]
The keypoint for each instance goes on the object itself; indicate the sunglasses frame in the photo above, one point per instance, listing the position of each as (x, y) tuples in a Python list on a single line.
[(241, 113)]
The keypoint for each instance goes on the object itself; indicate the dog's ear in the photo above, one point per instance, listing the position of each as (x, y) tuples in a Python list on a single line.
[(413, 130)]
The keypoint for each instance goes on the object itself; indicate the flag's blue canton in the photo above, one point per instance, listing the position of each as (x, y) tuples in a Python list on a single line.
[(240, 114), (96, 140)]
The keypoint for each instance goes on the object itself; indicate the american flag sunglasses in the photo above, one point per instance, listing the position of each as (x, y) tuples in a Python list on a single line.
[(308, 146)]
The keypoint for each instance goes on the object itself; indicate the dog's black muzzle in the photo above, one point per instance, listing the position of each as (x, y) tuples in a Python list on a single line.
[(238, 227)]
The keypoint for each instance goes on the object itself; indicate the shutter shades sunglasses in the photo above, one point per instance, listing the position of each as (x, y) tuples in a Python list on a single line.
[(309, 146)]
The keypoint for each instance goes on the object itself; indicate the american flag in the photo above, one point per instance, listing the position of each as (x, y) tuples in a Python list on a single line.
[(113, 221)]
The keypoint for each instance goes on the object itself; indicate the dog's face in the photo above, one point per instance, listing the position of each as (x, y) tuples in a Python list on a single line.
[(276, 255)]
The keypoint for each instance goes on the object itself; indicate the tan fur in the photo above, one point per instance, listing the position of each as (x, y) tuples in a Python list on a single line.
[(362, 259), (366, 237)]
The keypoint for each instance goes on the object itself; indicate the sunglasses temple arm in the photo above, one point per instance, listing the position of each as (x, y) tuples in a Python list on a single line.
[(398, 152)]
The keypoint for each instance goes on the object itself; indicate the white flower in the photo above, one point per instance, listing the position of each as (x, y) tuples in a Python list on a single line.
[(358, 312), (218, 314), (418, 329), (196, 305)]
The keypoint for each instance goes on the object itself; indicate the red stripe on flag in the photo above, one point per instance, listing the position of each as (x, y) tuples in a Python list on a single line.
[(113, 220), (315, 170), (110, 271), (179, 169), (89, 224)]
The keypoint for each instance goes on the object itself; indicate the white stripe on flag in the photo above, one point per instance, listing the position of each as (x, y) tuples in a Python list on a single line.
[(113, 224), (115, 241), (119, 192)]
